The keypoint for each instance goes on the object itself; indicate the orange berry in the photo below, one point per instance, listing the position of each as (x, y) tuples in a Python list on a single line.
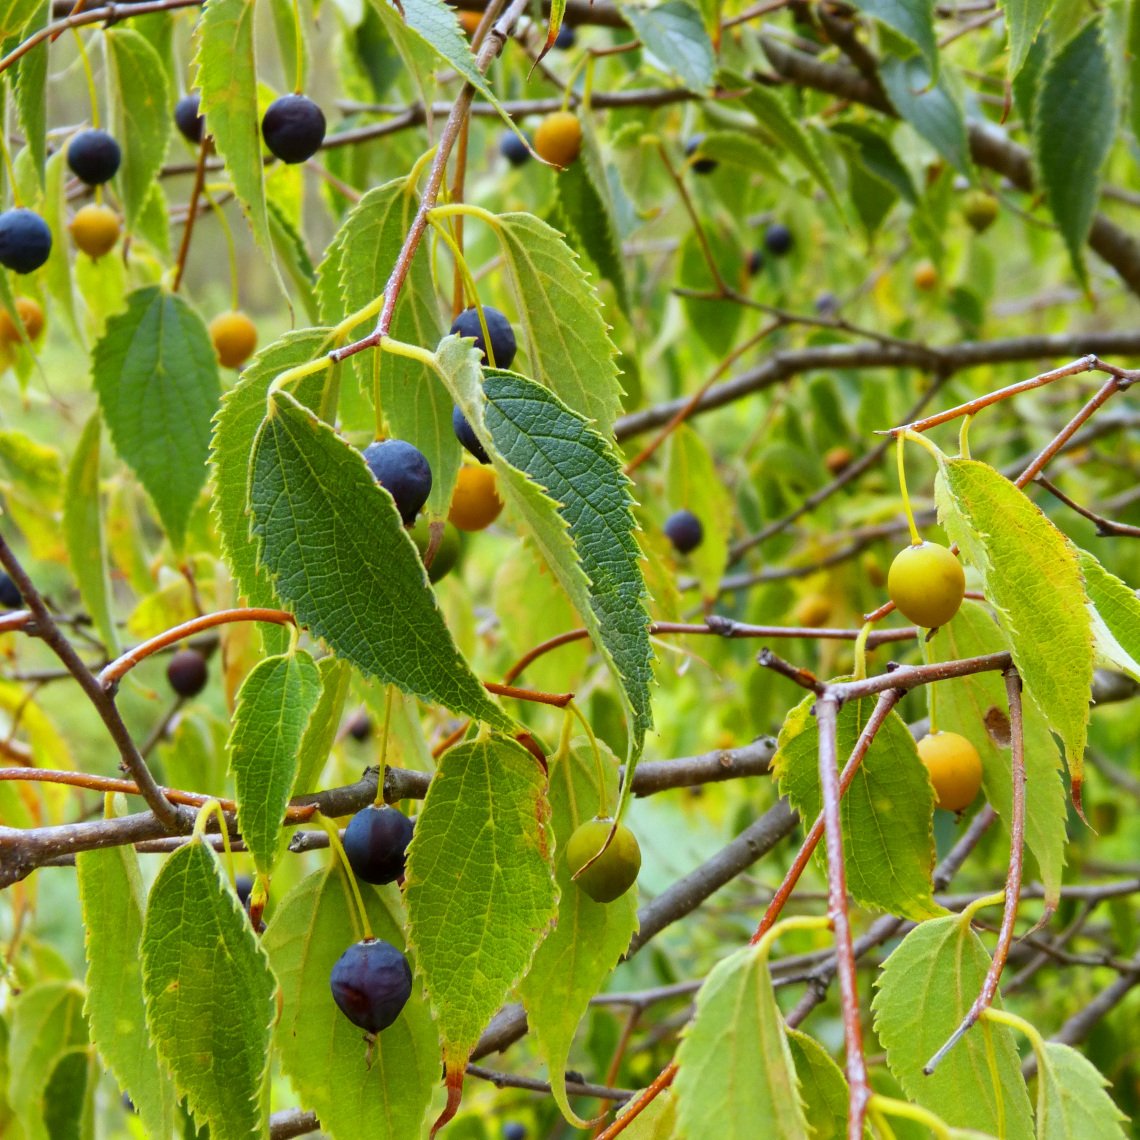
[(475, 503), (559, 138), (925, 276), (812, 611), (31, 317), (234, 338), (838, 459), (955, 769), (470, 21), (95, 229)]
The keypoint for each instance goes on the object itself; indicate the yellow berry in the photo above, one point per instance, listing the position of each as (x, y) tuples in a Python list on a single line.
[(234, 338), (95, 229), (838, 459), (31, 317), (558, 138), (475, 503), (955, 769), (812, 611), (615, 870), (925, 276), (927, 584)]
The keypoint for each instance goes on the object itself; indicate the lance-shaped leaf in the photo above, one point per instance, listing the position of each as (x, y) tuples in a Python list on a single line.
[(734, 1064), (823, 1087), (913, 19), (157, 378), (1032, 580), (30, 79), (333, 541), (111, 891), (273, 708), (929, 107), (480, 888), (382, 1093), (1024, 18), (1115, 611), (209, 994), (924, 991), (321, 729), (589, 937), (675, 34), (888, 847), (1071, 1098)]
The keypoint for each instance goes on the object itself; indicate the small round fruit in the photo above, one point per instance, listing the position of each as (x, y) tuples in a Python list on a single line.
[(813, 611), (955, 769), (470, 21), (755, 262), (827, 305), (401, 469), (371, 983), (565, 38), (188, 118), (838, 459), (359, 726), (25, 240), (925, 276), (615, 870), (187, 672), (234, 337), (475, 504), (94, 156), (514, 1131), (700, 163), (927, 584), (31, 317), (980, 210), (446, 554), (513, 149), (503, 343), (293, 128), (778, 239), (684, 530), (558, 138), (243, 887), (10, 596), (466, 435), (376, 843), (95, 229)]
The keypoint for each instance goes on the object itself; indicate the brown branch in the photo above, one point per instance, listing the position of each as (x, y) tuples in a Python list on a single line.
[(1105, 528), (191, 211)]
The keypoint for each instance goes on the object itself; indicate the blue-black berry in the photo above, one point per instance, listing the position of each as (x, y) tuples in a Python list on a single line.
[(94, 156), (10, 596), (700, 164), (376, 843), (565, 38), (513, 149), (778, 238), (293, 128), (401, 469), (188, 118), (503, 344), (466, 435), (371, 983), (25, 240), (684, 531)]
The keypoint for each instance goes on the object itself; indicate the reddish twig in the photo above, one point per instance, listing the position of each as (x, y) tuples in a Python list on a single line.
[(558, 700), (641, 1102), (191, 211)]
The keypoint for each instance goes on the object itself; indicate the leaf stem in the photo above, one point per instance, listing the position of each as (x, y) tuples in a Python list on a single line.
[(907, 1111), (346, 870), (900, 462)]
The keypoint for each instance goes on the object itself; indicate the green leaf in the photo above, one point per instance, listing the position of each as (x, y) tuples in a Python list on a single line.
[(157, 379), (111, 891), (734, 1064), (15, 16), (323, 724), (1115, 613), (878, 157), (141, 114), (382, 1093), (30, 79), (589, 937), (888, 848), (209, 994), (480, 888), (912, 19), (339, 555), (1071, 1098), (823, 1087), (563, 330), (274, 704), (1076, 86), (929, 107), (963, 706), (675, 35), (1032, 581), (694, 484), (924, 991), (235, 428), (68, 1098), (1024, 18)]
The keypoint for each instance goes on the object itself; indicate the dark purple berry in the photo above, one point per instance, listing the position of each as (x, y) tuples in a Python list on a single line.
[(565, 38), (293, 128), (376, 843), (359, 725), (188, 118), (243, 885), (778, 238), (702, 165), (25, 240), (514, 1131), (187, 672), (503, 345), (827, 305), (513, 149), (371, 983), (684, 531), (10, 596), (93, 157), (755, 262), (403, 472), (466, 435)]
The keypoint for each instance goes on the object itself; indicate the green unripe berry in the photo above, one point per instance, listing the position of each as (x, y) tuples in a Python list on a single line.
[(980, 210), (927, 584), (615, 870), (446, 555)]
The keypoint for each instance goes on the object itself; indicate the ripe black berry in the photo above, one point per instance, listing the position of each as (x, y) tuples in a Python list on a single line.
[(293, 128), (10, 596), (187, 672), (778, 238), (243, 885), (565, 38), (503, 344), (703, 165), (93, 157), (188, 118), (513, 149), (25, 240), (684, 531), (371, 983), (466, 435), (376, 842), (514, 1131), (827, 304), (359, 725), (403, 472)]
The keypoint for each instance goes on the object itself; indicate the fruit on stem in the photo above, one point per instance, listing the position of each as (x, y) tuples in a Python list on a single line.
[(401, 469), (466, 435), (778, 239), (293, 128), (234, 338), (25, 240), (446, 554), (31, 318), (615, 870), (558, 139), (188, 118), (475, 503), (927, 584), (513, 149), (955, 769), (371, 983), (503, 343), (376, 843), (187, 672), (980, 210), (95, 229), (684, 530), (94, 156)]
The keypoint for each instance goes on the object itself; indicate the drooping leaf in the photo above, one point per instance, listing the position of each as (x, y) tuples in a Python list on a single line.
[(15, 15), (111, 890), (157, 379), (888, 849), (823, 1087), (878, 156), (321, 729), (924, 991), (273, 709), (339, 555), (30, 78), (1071, 1099), (675, 34), (912, 19), (209, 994), (734, 1064), (929, 107), (1115, 613), (1032, 580), (1024, 18), (589, 937), (382, 1093)]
